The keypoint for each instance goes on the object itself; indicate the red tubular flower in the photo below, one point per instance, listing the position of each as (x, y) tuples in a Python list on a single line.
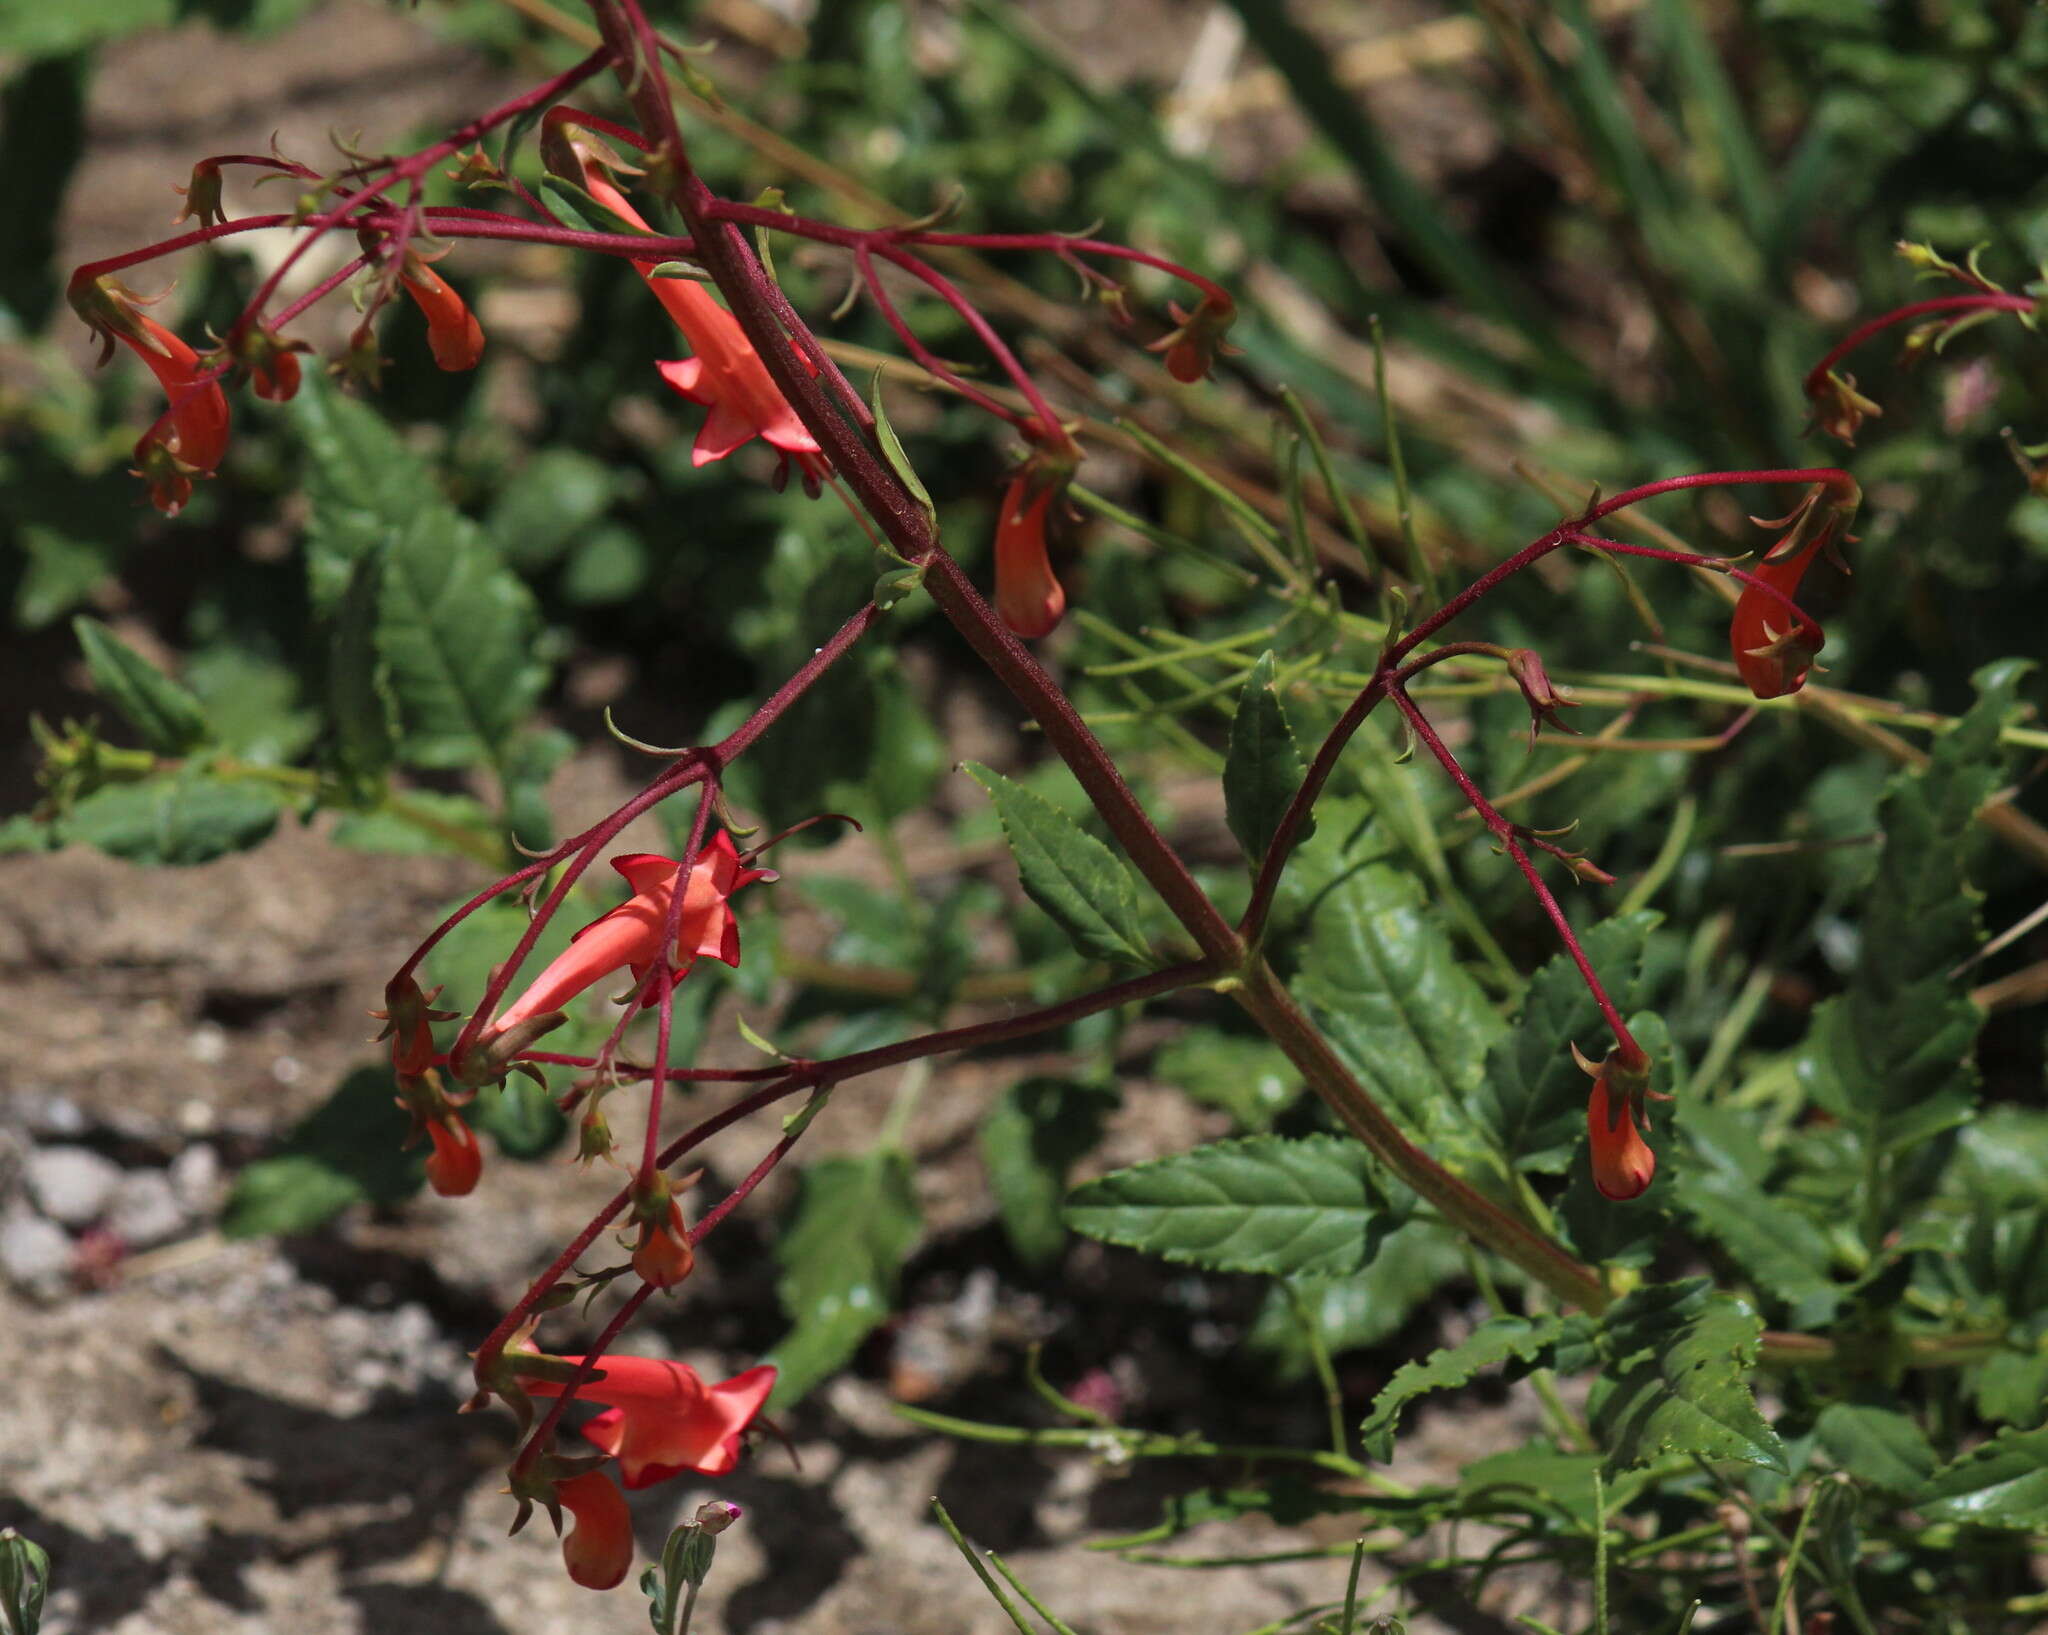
[(1192, 349), (192, 437), (662, 1418), (629, 937), (725, 374), (664, 1256), (599, 1548), (452, 330), (1623, 1164), (1774, 645), (1028, 596), (456, 1161)]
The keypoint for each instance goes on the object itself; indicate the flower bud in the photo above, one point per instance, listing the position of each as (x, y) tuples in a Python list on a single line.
[(456, 1162)]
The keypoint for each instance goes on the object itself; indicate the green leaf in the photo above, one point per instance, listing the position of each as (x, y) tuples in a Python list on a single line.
[(31, 30), (550, 498), (182, 818), (1067, 872), (1534, 1095), (520, 1115), (1678, 1379), (1306, 1208), (1494, 1342), (1249, 1078), (457, 630), (899, 462), (358, 690), (24, 1581), (1877, 1445), (348, 1150), (528, 763), (856, 1218), (1891, 1056), (1999, 1483), (1384, 982), (1029, 1140), (1783, 1250), (455, 627), (1263, 768), (170, 720), (1351, 1313)]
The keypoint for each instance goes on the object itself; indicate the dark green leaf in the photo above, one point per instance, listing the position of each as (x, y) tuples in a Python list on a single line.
[(1383, 980), (1029, 1140), (187, 817), (1263, 769), (1492, 1343), (1784, 1250), (1999, 1483), (1067, 872), (856, 1218), (1877, 1445), (1679, 1379), (551, 498), (1891, 1056), (348, 1150), (1351, 1313), (529, 762), (169, 719), (358, 693), (1249, 1078), (1534, 1097), (1306, 1208), (520, 1116), (364, 485)]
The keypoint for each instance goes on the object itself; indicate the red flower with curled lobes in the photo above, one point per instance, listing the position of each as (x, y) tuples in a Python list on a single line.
[(1773, 641), (662, 1419), (453, 334), (1028, 594), (630, 936), (456, 1162), (724, 373), (191, 437), (1623, 1164), (598, 1550)]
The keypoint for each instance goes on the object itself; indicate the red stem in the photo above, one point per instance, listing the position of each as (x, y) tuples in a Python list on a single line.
[(1816, 377), (1510, 838), (665, 981)]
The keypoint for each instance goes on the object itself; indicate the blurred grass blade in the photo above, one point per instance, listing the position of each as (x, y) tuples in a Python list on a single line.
[(1700, 76)]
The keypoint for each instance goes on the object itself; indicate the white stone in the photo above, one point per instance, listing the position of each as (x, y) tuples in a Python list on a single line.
[(35, 1254), (146, 1210), (71, 1185)]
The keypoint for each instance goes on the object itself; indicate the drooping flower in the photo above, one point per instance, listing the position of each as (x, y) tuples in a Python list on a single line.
[(664, 1255), (191, 437), (629, 937), (453, 333), (1028, 594), (1838, 408), (1623, 1164), (598, 1550), (1773, 642), (456, 1161), (408, 1017), (724, 373), (1193, 348), (662, 1419)]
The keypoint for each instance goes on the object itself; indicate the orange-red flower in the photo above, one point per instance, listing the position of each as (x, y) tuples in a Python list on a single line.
[(724, 373), (599, 1548), (664, 1255), (456, 1161), (1028, 595), (662, 1419), (191, 438), (1774, 643), (1192, 349), (1623, 1164), (629, 937), (454, 334)]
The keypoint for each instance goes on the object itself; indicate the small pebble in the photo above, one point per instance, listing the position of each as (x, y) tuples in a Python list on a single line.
[(71, 1185), (35, 1254), (195, 1177), (146, 1211)]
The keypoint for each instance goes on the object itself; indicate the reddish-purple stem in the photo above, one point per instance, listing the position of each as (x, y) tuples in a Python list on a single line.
[(1816, 377)]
